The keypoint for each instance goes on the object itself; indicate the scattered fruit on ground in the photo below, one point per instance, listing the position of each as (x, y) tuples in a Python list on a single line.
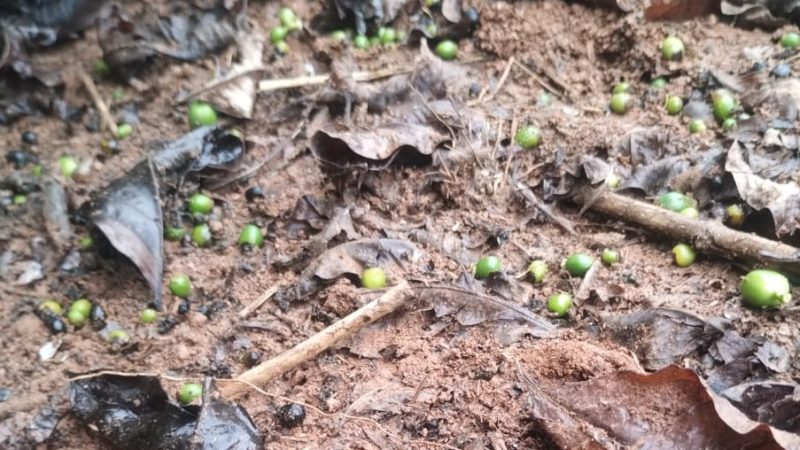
[(619, 102), (200, 204), (148, 315), (124, 130), (765, 289), (282, 48), (373, 278), (81, 305), (52, 306), (729, 124), (361, 41), (621, 87), (674, 105), (609, 257), (697, 126), (487, 266), (690, 212), (119, 336), (675, 201), (288, 18), (735, 215), (790, 40), (658, 83), (684, 255), (578, 264), (447, 50), (190, 392), (180, 286), (339, 35), (202, 114), (201, 235), (278, 34), (76, 318), (672, 48), (174, 233), (723, 104), (251, 235), (19, 199), (538, 270), (613, 180), (528, 137), (68, 165), (559, 304)]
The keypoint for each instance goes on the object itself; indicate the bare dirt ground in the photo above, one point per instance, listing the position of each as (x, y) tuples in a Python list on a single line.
[(415, 380)]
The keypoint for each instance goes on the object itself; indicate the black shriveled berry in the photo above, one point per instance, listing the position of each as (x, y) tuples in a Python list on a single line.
[(20, 158), (254, 193), (291, 415), (29, 137)]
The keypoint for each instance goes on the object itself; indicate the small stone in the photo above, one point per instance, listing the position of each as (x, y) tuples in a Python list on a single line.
[(30, 138), (254, 193)]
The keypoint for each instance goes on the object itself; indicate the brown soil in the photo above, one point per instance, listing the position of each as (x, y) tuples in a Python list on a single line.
[(440, 384)]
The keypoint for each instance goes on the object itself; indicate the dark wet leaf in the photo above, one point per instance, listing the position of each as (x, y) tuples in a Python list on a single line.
[(128, 212), (774, 357), (661, 337), (37, 17), (776, 404), (774, 99), (761, 13), (187, 32), (134, 412), (349, 259), (364, 13), (669, 409), (199, 151), (781, 199)]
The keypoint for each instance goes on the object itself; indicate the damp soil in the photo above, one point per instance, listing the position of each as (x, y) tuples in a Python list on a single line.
[(432, 383)]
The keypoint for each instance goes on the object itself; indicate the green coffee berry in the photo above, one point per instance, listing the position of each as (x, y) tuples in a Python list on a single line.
[(674, 105), (620, 102), (684, 255), (723, 104), (68, 166), (52, 306), (180, 286), (609, 257), (672, 48), (124, 130), (361, 41), (528, 137), (251, 235), (202, 114), (148, 315), (200, 204), (675, 201), (735, 215), (578, 264), (690, 212), (559, 304), (174, 233), (697, 126), (765, 289), (278, 34), (76, 318), (447, 50), (201, 235), (189, 392), (373, 278), (538, 270), (487, 266), (82, 305), (119, 336), (790, 40)]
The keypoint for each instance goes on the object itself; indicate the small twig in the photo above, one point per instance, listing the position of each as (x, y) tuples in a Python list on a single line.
[(705, 235), (252, 307), (500, 82), (546, 210), (539, 80), (286, 83), (101, 106), (324, 340), (233, 76)]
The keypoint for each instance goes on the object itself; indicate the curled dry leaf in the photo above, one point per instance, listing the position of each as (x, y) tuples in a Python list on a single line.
[(760, 13), (237, 96), (349, 259), (128, 212), (773, 403), (669, 409), (781, 199), (134, 412)]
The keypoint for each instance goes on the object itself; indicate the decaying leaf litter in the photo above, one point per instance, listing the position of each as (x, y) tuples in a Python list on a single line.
[(414, 170)]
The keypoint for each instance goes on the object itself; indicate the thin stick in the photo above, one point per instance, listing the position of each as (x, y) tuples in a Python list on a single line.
[(552, 215), (502, 80), (539, 80), (286, 83), (252, 307), (322, 341), (705, 235), (233, 76), (98, 101)]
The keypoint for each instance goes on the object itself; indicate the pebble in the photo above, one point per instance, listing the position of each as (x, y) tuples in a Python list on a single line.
[(215, 226)]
